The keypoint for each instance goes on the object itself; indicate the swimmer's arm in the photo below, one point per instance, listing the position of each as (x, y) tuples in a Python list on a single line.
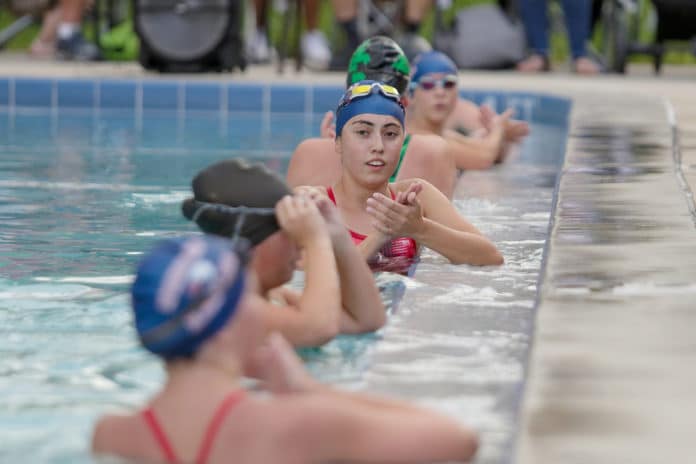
[(351, 427), (475, 153), (447, 232), (313, 317), (371, 245), (429, 158), (363, 310)]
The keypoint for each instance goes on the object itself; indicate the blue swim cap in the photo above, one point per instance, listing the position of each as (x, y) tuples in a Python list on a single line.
[(186, 290), (374, 102), (429, 63)]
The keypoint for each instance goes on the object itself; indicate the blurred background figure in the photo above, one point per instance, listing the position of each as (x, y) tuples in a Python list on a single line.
[(578, 14), (315, 47), (44, 45), (70, 43), (411, 16), (61, 33)]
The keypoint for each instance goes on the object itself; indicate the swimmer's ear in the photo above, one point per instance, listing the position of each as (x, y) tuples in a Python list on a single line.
[(188, 208)]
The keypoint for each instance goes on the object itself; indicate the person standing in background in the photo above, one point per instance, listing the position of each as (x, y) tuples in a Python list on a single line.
[(315, 47), (578, 14)]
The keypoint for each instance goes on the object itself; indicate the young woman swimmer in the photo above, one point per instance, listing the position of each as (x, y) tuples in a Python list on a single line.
[(196, 308)]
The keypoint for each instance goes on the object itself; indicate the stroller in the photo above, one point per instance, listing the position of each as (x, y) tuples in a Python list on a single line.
[(676, 21)]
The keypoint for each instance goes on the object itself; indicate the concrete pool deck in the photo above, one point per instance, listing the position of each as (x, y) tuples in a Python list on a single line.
[(608, 376)]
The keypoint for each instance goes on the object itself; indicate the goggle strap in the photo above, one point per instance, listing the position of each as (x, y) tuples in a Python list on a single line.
[(238, 228)]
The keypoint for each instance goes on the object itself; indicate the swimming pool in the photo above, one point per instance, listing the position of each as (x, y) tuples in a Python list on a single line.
[(92, 173)]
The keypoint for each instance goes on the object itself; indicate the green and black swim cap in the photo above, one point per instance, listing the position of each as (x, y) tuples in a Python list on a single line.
[(250, 188), (379, 59)]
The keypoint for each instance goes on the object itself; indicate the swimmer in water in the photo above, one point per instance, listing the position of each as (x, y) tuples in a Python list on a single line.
[(388, 219), (197, 308), (434, 99), (428, 155), (234, 199)]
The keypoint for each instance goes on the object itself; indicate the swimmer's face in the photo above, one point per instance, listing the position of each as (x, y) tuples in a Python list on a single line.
[(369, 146), (275, 260), (435, 97)]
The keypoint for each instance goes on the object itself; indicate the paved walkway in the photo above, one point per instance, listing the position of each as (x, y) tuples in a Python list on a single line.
[(611, 374)]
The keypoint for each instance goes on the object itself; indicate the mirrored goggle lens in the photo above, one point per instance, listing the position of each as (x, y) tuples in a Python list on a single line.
[(365, 89), (447, 82)]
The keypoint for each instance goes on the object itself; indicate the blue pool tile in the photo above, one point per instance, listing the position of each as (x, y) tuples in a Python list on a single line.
[(76, 93), (160, 95), (4, 92), (288, 98), (201, 96), (326, 98), (33, 92), (245, 97), (528, 106), (288, 131), (117, 94), (548, 109)]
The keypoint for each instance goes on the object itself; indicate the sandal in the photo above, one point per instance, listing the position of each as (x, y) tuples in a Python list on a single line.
[(41, 49), (586, 66), (534, 63)]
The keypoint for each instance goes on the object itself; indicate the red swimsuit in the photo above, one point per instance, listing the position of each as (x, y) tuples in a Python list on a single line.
[(399, 247), (153, 424)]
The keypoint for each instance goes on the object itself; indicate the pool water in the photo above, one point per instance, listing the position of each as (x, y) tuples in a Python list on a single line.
[(82, 196)]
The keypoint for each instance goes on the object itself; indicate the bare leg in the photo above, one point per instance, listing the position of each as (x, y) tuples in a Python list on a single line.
[(45, 43), (315, 47), (258, 48), (345, 10), (311, 11), (260, 7), (416, 11), (71, 11)]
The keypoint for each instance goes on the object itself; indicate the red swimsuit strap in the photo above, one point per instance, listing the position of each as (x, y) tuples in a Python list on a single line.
[(160, 437), (357, 237), (332, 197), (208, 439)]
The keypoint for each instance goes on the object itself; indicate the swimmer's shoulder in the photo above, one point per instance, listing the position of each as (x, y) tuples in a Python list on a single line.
[(314, 145), (118, 434), (427, 143)]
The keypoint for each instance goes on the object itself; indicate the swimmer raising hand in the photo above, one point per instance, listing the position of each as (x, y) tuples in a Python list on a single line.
[(357, 285)]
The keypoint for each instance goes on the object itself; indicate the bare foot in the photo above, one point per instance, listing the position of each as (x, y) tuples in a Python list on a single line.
[(41, 49), (586, 66), (534, 63)]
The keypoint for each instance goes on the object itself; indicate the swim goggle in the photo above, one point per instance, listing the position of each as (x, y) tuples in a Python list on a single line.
[(242, 211), (429, 83), (363, 90)]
